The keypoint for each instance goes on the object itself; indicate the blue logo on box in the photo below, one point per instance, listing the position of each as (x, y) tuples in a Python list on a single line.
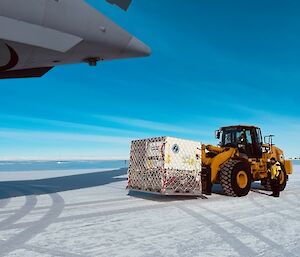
[(175, 148)]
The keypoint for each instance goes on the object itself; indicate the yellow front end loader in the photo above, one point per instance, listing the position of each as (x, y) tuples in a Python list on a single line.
[(241, 158)]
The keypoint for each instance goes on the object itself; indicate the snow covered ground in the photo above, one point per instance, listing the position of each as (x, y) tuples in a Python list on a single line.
[(91, 214)]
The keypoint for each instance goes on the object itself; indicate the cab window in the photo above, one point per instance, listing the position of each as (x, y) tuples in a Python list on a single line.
[(259, 137), (248, 137)]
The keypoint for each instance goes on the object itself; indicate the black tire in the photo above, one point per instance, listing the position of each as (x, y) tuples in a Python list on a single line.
[(229, 178), (282, 178)]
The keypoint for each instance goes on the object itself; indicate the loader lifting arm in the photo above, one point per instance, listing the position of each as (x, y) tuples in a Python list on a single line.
[(221, 156)]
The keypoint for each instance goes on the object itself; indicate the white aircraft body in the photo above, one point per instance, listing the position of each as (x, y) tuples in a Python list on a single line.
[(36, 35)]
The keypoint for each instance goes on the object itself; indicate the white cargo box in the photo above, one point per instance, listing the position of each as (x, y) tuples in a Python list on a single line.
[(165, 165)]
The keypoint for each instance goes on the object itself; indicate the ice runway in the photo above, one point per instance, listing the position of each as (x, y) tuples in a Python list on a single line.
[(91, 214)]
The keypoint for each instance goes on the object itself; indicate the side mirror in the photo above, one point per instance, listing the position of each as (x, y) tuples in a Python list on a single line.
[(217, 134), (269, 140)]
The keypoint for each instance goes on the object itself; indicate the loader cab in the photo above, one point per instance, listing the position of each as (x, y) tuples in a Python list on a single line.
[(247, 139)]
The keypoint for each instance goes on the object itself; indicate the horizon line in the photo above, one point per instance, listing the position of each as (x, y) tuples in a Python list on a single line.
[(80, 159), (62, 159)]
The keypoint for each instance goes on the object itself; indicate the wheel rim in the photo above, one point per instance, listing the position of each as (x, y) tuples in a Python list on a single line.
[(242, 179), (281, 178)]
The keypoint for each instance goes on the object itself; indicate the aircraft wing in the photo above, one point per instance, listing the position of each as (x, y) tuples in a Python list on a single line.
[(23, 32), (123, 4), (25, 73)]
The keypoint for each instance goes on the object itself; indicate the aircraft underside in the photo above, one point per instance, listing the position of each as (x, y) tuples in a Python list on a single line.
[(21, 60)]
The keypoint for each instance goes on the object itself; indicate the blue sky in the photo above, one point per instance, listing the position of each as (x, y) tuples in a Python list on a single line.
[(214, 63)]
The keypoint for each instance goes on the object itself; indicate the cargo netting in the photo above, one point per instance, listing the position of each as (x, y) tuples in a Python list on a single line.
[(165, 165)]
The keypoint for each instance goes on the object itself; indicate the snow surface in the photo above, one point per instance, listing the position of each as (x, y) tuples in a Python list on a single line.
[(91, 214)]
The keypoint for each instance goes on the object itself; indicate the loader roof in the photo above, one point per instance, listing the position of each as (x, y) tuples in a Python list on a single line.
[(239, 127)]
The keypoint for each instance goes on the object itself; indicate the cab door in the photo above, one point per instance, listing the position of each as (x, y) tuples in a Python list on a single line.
[(249, 143), (253, 143), (256, 143)]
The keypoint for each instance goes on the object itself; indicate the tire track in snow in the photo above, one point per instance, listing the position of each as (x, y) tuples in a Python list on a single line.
[(9, 211), (104, 201), (100, 201), (17, 241), (268, 207), (30, 203), (105, 213), (229, 238), (128, 210), (6, 200), (112, 212), (289, 194), (292, 202), (52, 252), (285, 198), (272, 244)]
